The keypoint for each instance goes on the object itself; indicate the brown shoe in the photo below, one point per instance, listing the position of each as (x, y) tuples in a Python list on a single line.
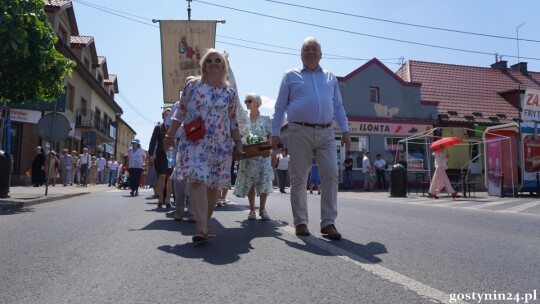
[(302, 230), (331, 232), (177, 216)]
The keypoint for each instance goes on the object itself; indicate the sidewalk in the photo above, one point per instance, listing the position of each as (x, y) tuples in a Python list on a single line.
[(23, 196)]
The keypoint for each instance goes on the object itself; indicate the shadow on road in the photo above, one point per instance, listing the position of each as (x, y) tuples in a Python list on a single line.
[(358, 252), (218, 250), (16, 210)]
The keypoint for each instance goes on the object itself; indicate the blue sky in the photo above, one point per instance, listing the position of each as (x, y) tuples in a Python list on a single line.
[(262, 48)]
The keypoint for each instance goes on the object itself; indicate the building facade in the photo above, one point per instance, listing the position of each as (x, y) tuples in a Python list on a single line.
[(88, 103)]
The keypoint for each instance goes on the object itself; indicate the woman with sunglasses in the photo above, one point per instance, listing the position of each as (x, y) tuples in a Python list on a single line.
[(205, 163), (255, 174)]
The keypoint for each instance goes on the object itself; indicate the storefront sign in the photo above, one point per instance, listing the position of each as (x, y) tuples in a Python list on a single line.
[(359, 127), (531, 106), (27, 116)]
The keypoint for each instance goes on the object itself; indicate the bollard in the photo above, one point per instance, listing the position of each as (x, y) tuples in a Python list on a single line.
[(537, 184), (398, 181), (502, 184), (5, 174), (463, 181)]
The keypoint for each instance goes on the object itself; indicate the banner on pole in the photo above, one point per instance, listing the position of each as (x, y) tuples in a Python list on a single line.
[(182, 44)]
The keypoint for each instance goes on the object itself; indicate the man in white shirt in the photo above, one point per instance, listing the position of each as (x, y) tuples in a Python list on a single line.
[(112, 166), (380, 166), (84, 161), (366, 169), (101, 162)]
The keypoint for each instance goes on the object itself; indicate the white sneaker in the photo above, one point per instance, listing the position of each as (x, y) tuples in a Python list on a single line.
[(264, 215), (252, 215)]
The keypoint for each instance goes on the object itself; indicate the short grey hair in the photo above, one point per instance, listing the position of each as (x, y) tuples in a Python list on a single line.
[(311, 39), (256, 97)]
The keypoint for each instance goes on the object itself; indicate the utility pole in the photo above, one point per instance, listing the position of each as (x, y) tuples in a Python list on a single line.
[(517, 37), (189, 9)]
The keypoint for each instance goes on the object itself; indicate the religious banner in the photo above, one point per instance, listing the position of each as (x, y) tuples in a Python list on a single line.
[(183, 42)]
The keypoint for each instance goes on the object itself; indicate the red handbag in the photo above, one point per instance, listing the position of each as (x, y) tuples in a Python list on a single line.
[(195, 130)]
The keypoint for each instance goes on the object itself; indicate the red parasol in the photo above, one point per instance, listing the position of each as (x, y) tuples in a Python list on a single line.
[(445, 142)]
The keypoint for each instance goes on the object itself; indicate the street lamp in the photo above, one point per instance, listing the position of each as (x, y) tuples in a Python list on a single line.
[(116, 135)]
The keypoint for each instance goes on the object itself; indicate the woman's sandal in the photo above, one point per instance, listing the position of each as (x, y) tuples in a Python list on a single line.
[(433, 196), (455, 195), (199, 236)]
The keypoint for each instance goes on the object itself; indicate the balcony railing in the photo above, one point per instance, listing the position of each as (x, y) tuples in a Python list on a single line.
[(89, 118)]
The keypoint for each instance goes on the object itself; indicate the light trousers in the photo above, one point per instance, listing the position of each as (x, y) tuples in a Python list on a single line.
[(440, 180), (181, 200), (304, 142)]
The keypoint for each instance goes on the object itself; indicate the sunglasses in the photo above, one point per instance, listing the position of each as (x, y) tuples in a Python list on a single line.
[(210, 60), (248, 101)]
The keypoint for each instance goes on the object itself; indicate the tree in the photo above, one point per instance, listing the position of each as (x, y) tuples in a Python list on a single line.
[(31, 69)]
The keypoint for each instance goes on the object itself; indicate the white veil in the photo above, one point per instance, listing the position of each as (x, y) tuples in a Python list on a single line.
[(240, 113)]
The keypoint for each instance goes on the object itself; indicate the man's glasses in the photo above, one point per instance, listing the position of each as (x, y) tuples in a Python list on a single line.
[(216, 60), (248, 101)]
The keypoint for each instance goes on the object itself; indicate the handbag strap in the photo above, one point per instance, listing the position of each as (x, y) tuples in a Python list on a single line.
[(190, 91)]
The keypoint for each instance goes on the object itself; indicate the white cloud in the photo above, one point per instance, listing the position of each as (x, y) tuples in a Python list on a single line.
[(267, 107)]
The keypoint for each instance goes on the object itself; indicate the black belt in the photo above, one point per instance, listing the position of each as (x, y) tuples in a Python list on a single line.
[(316, 126)]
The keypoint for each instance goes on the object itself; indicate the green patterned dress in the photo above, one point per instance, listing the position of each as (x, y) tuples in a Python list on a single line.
[(256, 171)]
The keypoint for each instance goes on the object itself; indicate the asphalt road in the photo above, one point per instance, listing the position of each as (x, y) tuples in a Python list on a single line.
[(108, 247)]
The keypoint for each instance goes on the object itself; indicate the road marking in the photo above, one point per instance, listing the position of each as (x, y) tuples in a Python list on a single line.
[(378, 270), (487, 205), (521, 207)]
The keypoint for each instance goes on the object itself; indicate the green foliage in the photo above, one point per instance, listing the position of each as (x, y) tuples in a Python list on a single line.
[(31, 69)]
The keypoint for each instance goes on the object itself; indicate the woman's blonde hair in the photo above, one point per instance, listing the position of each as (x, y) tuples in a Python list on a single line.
[(224, 62)]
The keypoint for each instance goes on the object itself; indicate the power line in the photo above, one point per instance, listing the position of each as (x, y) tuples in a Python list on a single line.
[(403, 23), (112, 11), (130, 105), (361, 34), (119, 14)]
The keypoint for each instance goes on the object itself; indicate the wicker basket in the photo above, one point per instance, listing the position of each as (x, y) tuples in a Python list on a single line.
[(253, 150)]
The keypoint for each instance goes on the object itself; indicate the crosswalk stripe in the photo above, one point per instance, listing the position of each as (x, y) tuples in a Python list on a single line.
[(522, 207), (485, 206)]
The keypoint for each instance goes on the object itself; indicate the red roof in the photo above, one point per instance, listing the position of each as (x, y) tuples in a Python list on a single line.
[(470, 91), (83, 40), (57, 3)]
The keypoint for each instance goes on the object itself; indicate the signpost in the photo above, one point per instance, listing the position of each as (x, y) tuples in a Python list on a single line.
[(53, 127)]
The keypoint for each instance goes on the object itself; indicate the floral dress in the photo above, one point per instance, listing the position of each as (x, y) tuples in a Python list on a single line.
[(207, 160), (256, 171)]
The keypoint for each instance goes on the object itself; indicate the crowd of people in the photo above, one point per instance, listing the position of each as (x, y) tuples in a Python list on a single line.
[(198, 149), (197, 153), (203, 133), (72, 168)]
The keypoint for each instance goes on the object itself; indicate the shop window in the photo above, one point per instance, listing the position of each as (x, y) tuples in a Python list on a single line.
[(359, 146), (413, 154), (374, 94)]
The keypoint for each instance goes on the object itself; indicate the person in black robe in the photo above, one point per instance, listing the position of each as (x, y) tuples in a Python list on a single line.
[(38, 167)]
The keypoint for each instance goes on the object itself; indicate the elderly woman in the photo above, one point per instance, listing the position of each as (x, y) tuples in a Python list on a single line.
[(255, 174), (440, 179), (206, 162), (136, 159)]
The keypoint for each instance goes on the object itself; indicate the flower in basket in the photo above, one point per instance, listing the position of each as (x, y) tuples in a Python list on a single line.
[(253, 139)]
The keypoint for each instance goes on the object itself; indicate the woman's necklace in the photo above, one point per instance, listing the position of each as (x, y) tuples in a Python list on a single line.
[(254, 117)]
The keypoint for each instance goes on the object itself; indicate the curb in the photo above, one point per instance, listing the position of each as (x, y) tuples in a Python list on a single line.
[(8, 205)]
